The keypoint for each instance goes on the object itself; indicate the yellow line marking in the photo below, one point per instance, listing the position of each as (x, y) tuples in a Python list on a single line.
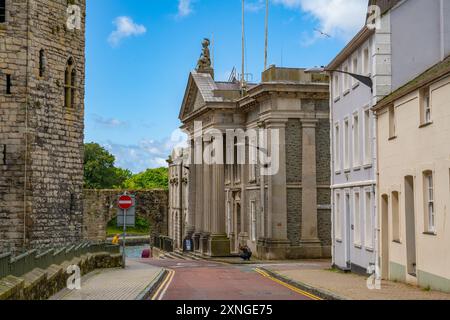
[(161, 296), (290, 287), (163, 284)]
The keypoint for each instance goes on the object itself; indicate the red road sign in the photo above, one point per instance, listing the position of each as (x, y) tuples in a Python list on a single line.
[(125, 202)]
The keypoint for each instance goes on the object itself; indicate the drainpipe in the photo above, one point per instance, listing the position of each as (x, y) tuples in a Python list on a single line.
[(333, 238)]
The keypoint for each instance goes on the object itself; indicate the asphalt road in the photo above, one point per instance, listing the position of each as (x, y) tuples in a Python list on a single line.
[(203, 280)]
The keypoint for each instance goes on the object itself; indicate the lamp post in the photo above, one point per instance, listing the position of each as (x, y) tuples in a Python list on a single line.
[(363, 79)]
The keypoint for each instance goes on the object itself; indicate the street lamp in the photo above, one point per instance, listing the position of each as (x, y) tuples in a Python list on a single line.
[(364, 79)]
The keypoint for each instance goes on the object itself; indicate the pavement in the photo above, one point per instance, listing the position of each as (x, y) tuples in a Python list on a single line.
[(197, 280), (317, 277), (131, 283)]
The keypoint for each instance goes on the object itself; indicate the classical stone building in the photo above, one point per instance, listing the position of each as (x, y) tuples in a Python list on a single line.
[(42, 60), (258, 164), (178, 195)]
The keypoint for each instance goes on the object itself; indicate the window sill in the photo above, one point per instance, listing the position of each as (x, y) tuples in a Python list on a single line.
[(434, 234), (338, 172), (339, 240), (356, 85), (424, 125), (396, 241), (358, 246), (347, 170), (357, 168), (346, 92), (368, 166), (369, 249), (392, 138), (337, 99)]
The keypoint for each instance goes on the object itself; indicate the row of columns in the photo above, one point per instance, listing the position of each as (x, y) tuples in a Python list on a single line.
[(207, 216)]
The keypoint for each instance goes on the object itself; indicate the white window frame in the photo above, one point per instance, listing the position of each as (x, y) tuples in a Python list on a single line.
[(346, 81), (369, 239), (336, 86), (395, 214), (357, 218), (426, 111), (430, 201), (338, 215), (356, 133), (346, 144), (337, 147), (366, 61), (367, 136), (355, 69)]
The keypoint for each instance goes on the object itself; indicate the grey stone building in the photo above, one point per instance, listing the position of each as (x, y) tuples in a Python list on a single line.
[(269, 187), (42, 61), (178, 195)]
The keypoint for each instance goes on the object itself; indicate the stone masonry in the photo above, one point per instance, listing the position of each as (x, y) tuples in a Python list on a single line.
[(42, 75), (100, 208)]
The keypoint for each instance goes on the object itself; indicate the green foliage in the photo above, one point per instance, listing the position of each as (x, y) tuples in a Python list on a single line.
[(99, 170), (142, 228), (100, 173), (149, 179)]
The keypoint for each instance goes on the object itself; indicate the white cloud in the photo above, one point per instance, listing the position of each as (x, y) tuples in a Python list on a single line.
[(108, 122), (184, 8), (147, 153), (255, 5), (338, 18), (125, 27)]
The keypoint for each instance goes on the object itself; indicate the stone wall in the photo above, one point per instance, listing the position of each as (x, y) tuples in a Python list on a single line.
[(41, 284), (100, 207), (41, 139)]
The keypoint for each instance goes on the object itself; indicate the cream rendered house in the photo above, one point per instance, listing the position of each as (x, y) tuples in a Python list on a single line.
[(413, 130)]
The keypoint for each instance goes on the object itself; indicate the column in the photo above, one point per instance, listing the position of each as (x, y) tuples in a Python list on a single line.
[(191, 194), (219, 244), (309, 235), (277, 244), (198, 156), (206, 197)]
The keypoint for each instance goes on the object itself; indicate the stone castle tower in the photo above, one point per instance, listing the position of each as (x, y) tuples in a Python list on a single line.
[(42, 63)]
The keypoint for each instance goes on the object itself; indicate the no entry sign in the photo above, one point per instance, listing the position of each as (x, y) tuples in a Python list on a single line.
[(125, 202)]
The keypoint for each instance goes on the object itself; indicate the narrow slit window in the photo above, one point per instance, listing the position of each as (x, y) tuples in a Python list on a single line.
[(2, 11), (8, 84), (41, 63)]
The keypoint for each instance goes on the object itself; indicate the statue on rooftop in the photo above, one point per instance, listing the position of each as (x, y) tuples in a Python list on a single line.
[(204, 63)]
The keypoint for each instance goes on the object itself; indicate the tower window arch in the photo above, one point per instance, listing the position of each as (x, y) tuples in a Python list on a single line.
[(70, 84)]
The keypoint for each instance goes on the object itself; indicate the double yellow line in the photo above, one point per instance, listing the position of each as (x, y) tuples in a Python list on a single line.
[(159, 294), (290, 287)]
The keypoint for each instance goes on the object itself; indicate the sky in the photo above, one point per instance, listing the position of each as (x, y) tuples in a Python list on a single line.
[(139, 54)]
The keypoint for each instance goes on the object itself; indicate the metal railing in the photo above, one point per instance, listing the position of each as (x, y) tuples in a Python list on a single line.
[(163, 243), (28, 261)]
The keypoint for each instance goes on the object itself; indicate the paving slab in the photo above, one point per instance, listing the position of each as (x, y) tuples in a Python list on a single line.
[(349, 286), (114, 284)]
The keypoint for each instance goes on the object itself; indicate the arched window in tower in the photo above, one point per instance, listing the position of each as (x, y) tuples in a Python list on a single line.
[(73, 77), (70, 84), (41, 63)]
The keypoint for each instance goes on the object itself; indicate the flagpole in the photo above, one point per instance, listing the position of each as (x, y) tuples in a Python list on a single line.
[(267, 35), (243, 48)]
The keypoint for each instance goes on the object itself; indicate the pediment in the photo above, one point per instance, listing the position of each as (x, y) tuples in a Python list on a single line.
[(193, 99)]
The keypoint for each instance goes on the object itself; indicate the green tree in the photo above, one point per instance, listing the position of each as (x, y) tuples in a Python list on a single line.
[(149, 179), (99, 169)]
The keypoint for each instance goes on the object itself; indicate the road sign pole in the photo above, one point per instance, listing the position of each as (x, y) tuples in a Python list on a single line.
[(124, 237)]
